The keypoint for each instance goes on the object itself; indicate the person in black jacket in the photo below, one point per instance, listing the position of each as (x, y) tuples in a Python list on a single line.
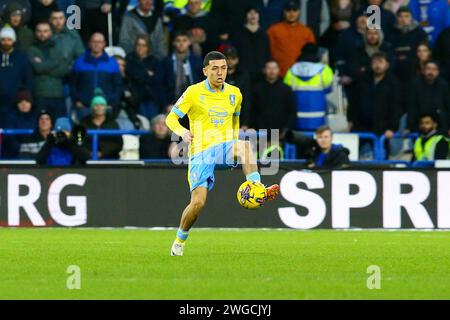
[(429, 93), (239, 77), (147, 79), (405, 38), (253, 45), (441, 52), (109, 146), (273, 105), (379, 100), (156, 145), (64, 147), (320, 152)]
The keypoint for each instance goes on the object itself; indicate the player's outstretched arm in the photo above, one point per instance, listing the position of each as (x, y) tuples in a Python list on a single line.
[(174, 125)]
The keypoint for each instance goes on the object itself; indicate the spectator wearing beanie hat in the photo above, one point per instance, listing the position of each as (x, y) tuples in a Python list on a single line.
[(108, 147), (31, 144), (15, 72)]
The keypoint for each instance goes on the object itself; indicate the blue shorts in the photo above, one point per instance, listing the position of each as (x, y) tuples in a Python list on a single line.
[(202, 164)]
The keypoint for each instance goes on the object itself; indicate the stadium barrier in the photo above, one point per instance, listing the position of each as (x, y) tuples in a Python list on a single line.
[(154, 195), (378, 143)]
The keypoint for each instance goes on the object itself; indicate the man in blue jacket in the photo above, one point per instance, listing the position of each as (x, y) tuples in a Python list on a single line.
[(95, 70), (432, 15)]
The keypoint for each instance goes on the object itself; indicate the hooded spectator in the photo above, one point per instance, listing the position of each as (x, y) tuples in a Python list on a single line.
[(24, 6), (14, 17)]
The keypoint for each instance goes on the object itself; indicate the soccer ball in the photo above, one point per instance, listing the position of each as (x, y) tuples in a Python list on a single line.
[(251, 195)]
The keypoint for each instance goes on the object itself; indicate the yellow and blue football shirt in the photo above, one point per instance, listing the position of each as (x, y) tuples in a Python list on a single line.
[(212, 115)]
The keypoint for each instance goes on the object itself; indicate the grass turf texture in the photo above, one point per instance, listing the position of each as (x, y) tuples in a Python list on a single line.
[(244, 264)]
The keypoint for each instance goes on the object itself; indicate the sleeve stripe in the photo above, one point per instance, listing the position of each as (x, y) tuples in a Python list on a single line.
[(178, 112), (236, 114)]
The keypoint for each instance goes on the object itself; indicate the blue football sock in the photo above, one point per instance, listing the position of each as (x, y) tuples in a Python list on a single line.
[(182, 235), (254, 177)]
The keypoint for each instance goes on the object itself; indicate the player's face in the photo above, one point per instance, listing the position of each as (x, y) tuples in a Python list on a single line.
[(324, 140), (216, 72), (427, 125)]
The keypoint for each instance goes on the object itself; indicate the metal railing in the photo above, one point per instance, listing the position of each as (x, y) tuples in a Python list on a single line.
[(290, 150)]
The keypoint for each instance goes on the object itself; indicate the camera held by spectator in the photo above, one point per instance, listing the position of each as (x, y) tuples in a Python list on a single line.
[(64, 146)]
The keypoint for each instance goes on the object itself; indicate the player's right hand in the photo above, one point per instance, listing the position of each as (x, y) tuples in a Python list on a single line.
[(187, 137)]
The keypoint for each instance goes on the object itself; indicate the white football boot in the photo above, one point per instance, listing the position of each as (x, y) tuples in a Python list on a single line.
[(177, 249)]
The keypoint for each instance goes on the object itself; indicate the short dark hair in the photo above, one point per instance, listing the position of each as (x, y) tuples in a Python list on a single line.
[(57, 10), (213, 55), (181, 33), (432, 115), (403, 9), (380, 55), (323, 128), (433, 62)]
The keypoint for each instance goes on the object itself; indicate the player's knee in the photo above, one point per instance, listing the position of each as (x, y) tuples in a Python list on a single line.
[(198, 203)]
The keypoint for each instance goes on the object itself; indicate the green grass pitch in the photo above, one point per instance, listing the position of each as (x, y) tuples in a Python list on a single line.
[(218, 264)]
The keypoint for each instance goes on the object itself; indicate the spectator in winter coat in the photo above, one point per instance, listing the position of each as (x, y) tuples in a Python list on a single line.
[(310, 81), (441, 52), (95, 70), (108, 147), (156, 145), (49, 70), (405, 38), (239, 77), (429, 93), (24, 6), (147, 79), (67, 40), (23, 117), (14, 17), (200, 26), (378, 108), (15, 72), (273, 105), (253, 45), (183, 66), (143, 20), (432, 15), (41, 10), (31, 144)]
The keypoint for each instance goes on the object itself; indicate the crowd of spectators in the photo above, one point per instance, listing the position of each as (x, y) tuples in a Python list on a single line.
[(283, 55)]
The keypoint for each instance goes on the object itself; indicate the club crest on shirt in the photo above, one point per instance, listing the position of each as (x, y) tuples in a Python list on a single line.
[(232, 99)]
